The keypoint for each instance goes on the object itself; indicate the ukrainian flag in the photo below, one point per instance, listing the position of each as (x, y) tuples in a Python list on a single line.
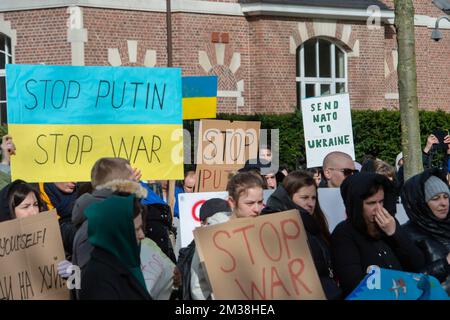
[(199, 97)]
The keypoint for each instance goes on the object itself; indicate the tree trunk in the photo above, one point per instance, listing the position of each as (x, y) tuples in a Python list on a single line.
[(407, 88)]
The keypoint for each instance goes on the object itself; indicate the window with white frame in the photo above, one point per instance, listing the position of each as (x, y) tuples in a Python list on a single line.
[(321, 69), (5, 58)]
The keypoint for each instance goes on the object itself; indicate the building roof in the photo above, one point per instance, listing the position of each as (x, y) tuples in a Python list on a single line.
[(350, 4)]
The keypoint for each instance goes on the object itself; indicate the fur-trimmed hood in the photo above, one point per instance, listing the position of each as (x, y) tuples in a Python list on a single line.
[(126, 186)]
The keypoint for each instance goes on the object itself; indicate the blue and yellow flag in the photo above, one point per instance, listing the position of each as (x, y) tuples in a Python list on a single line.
[(199, 97)]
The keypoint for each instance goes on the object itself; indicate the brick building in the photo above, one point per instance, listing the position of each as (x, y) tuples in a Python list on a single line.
[(268, 54)]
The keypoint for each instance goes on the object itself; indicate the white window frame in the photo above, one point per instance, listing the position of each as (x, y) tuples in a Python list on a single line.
[(318, 81), (7, 52)]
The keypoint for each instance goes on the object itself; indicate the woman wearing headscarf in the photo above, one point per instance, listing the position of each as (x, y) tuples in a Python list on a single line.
[(115, 231), (370, 235), (426, 200)]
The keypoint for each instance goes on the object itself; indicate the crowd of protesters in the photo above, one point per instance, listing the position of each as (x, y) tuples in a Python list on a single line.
[(102, 222)]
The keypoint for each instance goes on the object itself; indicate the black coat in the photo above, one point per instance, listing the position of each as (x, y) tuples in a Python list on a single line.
[(430, 234), (354, 250), (105, 278), (158, 226), (320, 251)]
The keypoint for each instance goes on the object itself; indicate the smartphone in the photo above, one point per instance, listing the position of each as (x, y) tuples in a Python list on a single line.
[(440, 135)]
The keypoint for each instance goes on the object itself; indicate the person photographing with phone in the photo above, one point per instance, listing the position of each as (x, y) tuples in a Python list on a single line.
[(438, 140)]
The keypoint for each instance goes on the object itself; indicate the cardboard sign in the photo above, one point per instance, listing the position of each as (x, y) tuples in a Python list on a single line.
[(263, 258), (64, 118), (157, 269), (223, 149), (30, 250), (199, 97), (327, 124)]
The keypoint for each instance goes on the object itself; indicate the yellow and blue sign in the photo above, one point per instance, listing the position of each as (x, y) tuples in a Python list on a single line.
[(199, 97), (64, 118)]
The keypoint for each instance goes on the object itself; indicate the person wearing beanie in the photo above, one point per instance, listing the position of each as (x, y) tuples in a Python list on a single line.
[(426, 200), (211, 207)]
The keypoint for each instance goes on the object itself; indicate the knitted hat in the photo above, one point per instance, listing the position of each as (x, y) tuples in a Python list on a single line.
[(212, 206), (434, 186)]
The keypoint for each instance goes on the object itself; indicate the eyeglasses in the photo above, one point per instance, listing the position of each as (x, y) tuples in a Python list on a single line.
[(346, 171)]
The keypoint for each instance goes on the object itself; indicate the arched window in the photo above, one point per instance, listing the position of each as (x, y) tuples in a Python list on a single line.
[(321, 69), (5, 58)]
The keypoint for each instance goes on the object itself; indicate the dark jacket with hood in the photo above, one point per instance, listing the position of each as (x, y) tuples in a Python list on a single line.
[(114, 270), (280, 201), (430, 234), (354, 250)]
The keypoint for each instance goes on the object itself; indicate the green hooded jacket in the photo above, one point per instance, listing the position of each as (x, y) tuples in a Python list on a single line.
[(111, 228)]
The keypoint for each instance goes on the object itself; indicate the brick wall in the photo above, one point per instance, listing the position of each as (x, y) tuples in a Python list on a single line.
[(112, 28), (41, 36), (267, 67), (193, 33)]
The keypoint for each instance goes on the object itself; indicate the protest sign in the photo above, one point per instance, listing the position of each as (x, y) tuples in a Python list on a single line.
[(327, 125), (223, 149), (263, 258), (30, 250), (64, 118), (387, 284), (332, 205), (190, 204), (199, 97), (157, 269)]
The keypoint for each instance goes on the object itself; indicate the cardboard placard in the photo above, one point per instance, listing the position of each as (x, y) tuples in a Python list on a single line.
[(30, 250), (64, 118), (223, 149), (327, 125), (157, 269), (263, 258)]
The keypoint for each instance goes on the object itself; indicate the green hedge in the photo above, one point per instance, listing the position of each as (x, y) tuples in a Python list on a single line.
[(375, 132)]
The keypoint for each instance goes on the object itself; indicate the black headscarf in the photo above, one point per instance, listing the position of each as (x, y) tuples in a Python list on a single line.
[(418, 211), (355, 187)]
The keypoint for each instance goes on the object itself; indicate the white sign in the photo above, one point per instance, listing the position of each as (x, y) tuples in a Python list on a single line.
[(333, 207), (189, 205), (157, 269), (327, 124)]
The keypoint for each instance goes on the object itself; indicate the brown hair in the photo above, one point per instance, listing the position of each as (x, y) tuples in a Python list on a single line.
[(385, 169), (299, 179), (108, 169), (239, 183), (17, 193)]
